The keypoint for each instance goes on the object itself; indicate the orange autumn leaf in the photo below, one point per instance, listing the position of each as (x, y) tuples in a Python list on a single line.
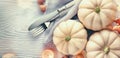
[(117, 21), (80, 55)]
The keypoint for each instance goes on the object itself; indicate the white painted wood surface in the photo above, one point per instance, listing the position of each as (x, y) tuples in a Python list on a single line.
[(15, 18)]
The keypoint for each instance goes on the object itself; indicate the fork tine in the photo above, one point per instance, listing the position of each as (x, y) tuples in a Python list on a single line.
[(41, 27), (36, 31), (39, 31)]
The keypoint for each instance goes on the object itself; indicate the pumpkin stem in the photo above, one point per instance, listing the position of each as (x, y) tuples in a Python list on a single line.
[(97, 9), (67, 38), (106, 50)]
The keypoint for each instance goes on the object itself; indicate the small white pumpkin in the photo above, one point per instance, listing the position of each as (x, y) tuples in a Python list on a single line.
[(97, 14), (70, 37), (104, 44)]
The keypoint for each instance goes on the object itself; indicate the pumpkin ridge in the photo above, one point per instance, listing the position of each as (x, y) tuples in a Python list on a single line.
[(65, 47), (108, 39), (72, 42), (113, 41), (92, 21), (69, 47), (97, 44), (78, 37), (115, 54), (89, 8), (97, 54), (82, 40), (57, 31), (103, 38), (88, 14), (99, 4), (59, 42), (114, 49), (102, 20), (92, 51), (67, 28), (60, 48), (85, 15), (109, 4), (86, 19), (112, 9), (71, 27), (77, 30), (93, 3), (75, 45), (103, 4), (58, 36), (87, 49), (100, 54), (86, 8), (107, 15), (62, 31), (100, 36)]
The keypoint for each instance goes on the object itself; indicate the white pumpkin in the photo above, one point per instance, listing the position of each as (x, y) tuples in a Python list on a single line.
[(104, 44), (97, 14), (70, 37)]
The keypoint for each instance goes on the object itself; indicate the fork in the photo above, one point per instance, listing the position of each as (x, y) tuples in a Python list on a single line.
[(42, 27), (48, 33), (39, 27)]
